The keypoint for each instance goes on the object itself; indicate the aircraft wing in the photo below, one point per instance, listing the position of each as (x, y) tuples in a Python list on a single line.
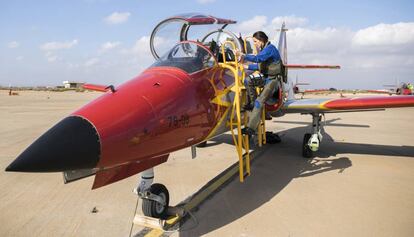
[(347, 104), (305, 66), (381, 91)]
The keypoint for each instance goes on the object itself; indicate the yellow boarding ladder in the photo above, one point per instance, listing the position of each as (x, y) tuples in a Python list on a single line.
[(261, 130), (240, 141)]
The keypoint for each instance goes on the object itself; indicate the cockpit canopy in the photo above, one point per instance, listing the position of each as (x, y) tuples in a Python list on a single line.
[(189, 56), (180, 28)]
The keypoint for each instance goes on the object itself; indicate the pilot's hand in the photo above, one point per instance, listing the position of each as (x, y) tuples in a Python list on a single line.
[(241, 58), (239, 55)]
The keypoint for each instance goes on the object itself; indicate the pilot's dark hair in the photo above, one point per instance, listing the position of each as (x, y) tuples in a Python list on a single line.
[(260, 35)]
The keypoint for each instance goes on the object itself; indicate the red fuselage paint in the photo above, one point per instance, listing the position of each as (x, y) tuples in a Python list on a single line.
[(161, 110), (370, 103)]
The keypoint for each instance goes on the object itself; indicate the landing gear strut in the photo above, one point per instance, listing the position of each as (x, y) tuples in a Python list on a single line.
[(155, 197), (311, 141)]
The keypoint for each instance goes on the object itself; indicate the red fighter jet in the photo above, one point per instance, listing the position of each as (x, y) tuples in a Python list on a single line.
[(396, 89), (192, 92), (400, 89)]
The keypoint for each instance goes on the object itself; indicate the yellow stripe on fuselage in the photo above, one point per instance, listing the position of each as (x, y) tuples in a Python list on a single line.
[(219, 101), (320, 106)]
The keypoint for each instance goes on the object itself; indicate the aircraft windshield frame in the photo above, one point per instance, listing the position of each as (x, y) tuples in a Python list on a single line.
[(196, 18), (189, 56), (185, 21)]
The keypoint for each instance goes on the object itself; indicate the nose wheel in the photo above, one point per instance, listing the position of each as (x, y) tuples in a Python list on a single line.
[(155, 197), (155, 202), (311, 141)]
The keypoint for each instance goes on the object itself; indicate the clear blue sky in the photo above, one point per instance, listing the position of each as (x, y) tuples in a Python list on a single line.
[(27, 26)]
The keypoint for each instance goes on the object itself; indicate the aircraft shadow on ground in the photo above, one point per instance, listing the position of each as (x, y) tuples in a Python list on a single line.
[(272, 171), (330, 148)]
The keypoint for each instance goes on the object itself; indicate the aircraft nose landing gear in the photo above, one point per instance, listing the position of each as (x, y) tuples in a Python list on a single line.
[(311, 141), (155, 197), (155, 201)]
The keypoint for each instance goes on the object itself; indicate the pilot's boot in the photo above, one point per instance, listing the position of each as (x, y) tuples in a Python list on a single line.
[(248, 131), (272, 138)]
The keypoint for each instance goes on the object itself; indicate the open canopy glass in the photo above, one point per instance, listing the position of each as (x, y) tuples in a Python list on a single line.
[(189, 56), (176, 29)]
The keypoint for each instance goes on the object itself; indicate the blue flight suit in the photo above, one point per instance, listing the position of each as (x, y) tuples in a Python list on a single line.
[(266, 79)]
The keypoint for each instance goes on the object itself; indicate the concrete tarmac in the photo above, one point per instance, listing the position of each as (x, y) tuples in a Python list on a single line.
[(360, 183)]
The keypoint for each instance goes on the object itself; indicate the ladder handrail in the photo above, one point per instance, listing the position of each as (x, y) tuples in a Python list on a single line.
[(224, 53), (241, 141), (245, 45)]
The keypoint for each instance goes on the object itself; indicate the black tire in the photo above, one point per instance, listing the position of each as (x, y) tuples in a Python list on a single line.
[(203, 144), (306, 151), (154, 209)]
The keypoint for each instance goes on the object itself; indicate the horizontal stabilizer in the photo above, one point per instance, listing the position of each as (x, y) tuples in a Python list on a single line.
[(379, 91), (303, 66), (101, 88)]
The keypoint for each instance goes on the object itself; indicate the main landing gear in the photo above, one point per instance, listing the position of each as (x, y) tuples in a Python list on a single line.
[(311, 141), (155, 197)]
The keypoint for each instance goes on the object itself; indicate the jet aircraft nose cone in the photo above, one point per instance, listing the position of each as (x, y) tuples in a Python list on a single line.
[(71, 144)]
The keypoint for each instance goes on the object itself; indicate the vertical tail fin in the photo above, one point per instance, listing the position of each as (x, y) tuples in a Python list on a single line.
[(282, 46)]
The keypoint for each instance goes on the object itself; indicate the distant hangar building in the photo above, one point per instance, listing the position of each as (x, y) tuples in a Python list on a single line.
[(72, 84)]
